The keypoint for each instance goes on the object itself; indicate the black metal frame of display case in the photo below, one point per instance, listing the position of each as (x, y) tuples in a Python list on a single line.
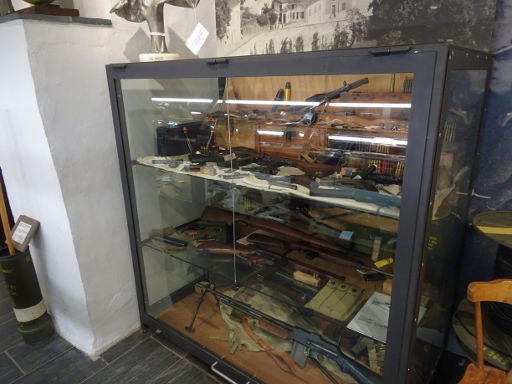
[(428, 63)]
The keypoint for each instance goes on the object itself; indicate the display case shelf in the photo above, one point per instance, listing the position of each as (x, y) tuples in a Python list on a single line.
[(251, 181), (276, 273)]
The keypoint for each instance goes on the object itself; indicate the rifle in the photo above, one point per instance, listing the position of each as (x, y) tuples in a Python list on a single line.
[(210, 157), (361, 195), (277, 181), (169, 240), (315, 169), (220, 215), (240, 156), (362, 263), (304, 344), (253, 256)]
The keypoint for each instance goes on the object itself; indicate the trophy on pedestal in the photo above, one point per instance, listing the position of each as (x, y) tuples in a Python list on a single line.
[(151, 11)]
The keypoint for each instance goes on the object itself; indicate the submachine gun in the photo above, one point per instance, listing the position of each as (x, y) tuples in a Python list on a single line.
[(305, 345), (309, 117)]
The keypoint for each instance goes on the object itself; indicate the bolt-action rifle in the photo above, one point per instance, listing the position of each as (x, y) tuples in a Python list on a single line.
[(253, 256), (220, 215), (312, 245)]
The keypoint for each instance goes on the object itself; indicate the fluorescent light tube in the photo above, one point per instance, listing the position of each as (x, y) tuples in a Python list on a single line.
[(179, 100), (371, 140), (314, 104), (272, 102), (270, 133), (371, 105)]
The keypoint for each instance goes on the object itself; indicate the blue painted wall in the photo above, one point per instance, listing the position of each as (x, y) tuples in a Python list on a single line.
[(493, 175)]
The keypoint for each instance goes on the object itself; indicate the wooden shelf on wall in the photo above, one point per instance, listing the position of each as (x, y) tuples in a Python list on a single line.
[(50, 9)]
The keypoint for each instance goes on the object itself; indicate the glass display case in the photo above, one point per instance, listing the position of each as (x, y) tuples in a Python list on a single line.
[(297, 218)]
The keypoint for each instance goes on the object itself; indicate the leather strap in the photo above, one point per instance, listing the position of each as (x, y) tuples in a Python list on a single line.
[(282, 359)]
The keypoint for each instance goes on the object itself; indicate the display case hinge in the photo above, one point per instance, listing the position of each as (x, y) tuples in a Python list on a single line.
[(389, 50), (219, 60), (119, 68)]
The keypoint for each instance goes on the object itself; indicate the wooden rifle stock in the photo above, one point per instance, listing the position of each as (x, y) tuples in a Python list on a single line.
[(220, 215), (249, 255), (274, 329), (315, 169)]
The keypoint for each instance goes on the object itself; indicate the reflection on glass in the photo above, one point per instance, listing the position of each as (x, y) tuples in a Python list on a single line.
[(282, 193), (447, 223)]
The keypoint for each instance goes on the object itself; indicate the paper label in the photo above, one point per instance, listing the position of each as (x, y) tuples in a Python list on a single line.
[(346, 235), (197, 38), (372, 318), (21, 232)]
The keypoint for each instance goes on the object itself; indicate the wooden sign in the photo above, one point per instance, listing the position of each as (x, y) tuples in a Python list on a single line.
[(23, 232)]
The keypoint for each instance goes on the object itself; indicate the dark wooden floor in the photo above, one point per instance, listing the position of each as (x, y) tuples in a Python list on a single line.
[(142, 358)]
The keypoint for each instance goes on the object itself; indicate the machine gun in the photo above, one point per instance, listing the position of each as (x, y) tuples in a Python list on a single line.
[(305, 345)]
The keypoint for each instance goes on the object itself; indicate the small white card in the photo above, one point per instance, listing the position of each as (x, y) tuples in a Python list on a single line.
[(197, 38), (21, 232), (372, 319)]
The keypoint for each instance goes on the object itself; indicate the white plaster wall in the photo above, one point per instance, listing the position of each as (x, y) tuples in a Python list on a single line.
[(74, 104), (34, 189), (58, 153), (93, 8)]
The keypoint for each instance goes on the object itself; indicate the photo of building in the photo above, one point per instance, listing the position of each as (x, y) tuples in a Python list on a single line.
[(247, 27)]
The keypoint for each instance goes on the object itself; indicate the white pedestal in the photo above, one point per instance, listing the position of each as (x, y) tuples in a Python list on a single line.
[(147, 57)]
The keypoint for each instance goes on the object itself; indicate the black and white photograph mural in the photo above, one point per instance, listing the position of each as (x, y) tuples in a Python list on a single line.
[(247, 27)]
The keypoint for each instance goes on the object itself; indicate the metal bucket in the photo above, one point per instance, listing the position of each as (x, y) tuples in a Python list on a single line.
[(34, 323)]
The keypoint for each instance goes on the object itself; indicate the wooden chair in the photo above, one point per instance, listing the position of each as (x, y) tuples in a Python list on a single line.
[(499, 291)]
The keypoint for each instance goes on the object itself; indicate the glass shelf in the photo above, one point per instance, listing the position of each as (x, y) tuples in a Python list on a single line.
[(385, 205), (273, 281)]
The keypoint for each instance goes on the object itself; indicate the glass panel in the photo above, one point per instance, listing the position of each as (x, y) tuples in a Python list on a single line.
[(447, 224), (282, 193)]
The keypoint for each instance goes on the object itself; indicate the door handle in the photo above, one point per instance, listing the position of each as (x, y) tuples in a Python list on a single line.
[(223, 375)]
